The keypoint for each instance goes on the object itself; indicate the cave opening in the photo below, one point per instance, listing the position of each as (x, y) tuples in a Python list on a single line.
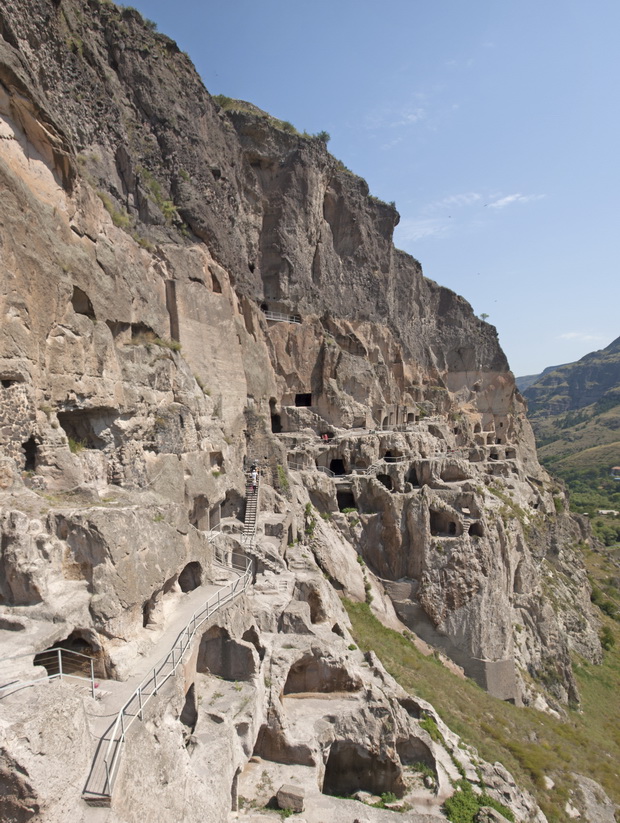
[(191, 577), (386, 480), (84, 427), (346, 500), (443, 524), (476, 529), (220, 655), (337, 467), (276, 419), (189, 712), (79, 652), (30, 454), (314, 674), (303, 399), (81, 303), (351, 767), (412, 477)]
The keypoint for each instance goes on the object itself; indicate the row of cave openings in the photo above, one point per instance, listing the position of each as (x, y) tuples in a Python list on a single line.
[(442, 523), (350, 766)]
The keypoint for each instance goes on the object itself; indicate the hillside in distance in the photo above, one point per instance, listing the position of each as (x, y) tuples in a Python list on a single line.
[(575, 413)]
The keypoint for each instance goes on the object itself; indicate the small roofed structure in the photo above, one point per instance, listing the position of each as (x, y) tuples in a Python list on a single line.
[(615, 472)]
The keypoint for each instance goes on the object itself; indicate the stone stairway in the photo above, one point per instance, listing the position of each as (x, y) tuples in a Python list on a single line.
[(251, 514), (248, 539)]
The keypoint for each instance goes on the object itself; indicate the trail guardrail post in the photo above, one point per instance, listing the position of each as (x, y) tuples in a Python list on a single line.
[(155, 679), (92, 677), (140, 703), (60, 663)]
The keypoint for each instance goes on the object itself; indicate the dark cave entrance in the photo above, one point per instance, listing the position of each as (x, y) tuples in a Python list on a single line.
[(337, 467), (386, 481), (191, 577), (189, 712), (412, 477), (81, 303), (346, 500), (351, 767), (74, 658), (276, 420), (30, 454), (303, 399)]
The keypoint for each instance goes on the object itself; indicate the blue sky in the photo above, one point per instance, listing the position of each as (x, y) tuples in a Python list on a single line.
[(493, 124)]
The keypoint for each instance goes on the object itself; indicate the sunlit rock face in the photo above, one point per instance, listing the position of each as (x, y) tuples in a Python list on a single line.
[(185, 291)]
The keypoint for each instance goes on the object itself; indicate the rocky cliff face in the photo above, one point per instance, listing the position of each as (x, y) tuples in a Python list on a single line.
[(185, 291)]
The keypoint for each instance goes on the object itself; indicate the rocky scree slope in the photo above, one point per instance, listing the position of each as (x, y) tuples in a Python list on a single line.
[(146, 236)]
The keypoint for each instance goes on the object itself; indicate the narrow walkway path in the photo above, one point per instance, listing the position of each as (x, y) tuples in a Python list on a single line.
[(122, 702)]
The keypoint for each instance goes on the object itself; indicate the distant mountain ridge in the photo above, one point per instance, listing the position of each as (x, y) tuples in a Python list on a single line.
[(575, 385), (527, 380), (575, 413)]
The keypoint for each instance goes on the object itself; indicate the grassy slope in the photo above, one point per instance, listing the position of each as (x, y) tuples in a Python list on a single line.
[(529, 743)]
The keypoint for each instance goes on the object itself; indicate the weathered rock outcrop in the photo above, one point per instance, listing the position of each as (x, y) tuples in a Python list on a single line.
[(185, 292)]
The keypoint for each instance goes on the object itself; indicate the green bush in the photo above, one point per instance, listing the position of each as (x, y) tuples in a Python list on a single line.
[(608, 641), (463, 806), (76, 446), (282, 478)]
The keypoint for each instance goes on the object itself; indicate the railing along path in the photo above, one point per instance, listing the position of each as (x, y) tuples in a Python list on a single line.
[(279, 317), (107, 760), (59, 664)]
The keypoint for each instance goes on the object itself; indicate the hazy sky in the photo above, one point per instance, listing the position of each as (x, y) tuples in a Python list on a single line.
[(493, 124)]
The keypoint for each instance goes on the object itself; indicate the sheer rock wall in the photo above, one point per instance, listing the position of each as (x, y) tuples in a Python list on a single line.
[(145, 237)]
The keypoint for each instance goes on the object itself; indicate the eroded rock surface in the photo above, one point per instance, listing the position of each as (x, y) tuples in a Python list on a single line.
[(185, 293)]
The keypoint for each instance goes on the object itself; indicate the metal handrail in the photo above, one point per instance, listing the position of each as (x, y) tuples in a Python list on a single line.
[(326, 471), (280, 317), (164, 670), (298, 466), (51, 655)]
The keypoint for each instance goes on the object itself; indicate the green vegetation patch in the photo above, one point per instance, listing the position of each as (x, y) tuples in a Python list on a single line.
[(529, 743)]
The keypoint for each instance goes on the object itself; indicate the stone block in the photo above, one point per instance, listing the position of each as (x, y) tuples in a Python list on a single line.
[(291, 797)]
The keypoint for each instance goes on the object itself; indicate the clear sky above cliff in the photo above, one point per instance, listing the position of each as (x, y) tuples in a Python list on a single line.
[(493, 124)]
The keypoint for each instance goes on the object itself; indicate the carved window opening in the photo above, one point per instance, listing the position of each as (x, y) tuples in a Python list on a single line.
[(386, 481), (511, 454), (476, 529), (303, 400)]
